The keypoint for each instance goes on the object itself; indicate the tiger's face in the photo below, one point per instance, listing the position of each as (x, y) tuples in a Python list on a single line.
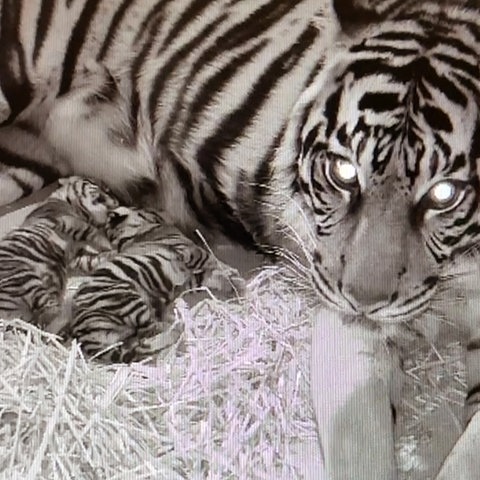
[(387, 145)]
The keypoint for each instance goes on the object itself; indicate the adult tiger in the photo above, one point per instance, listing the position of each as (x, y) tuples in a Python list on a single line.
[(246, 117)]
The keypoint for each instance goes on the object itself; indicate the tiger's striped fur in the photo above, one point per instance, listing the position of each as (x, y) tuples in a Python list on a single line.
[(250, 118), (123, 302), (35, 258)]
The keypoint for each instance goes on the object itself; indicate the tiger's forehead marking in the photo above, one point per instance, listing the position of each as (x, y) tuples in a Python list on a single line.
[(420, 112)]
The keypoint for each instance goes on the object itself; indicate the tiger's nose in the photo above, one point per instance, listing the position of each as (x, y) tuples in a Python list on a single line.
[(374, 281), (370, 290)]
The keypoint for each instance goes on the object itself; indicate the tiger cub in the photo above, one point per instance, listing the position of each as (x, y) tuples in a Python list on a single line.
[(35, 258), (124, 301)]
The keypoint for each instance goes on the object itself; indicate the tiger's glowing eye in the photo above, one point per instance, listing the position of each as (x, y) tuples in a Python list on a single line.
[(445, 195), (342, 173)]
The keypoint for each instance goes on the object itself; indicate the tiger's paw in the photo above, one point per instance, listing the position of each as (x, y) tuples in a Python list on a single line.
[(463, 462)]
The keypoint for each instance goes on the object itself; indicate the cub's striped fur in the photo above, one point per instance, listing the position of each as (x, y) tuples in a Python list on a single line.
[(124, 301), (350, 127), (35, 258), (92, 200)]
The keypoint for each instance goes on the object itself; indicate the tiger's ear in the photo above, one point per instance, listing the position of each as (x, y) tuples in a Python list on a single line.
[(62, 181), (354, 15)]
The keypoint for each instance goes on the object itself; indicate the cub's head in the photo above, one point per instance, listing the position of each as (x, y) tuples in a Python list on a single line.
[(127, 224), (91, 199), (387, 145)]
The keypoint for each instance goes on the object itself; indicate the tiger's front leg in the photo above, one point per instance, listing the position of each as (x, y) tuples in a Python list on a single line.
[(353, 378), (463, 462)]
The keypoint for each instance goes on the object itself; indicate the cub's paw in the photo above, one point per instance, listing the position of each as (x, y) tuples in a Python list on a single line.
[(141, 348), (88, 259), (46, 315), (101, 242), (225, 279)]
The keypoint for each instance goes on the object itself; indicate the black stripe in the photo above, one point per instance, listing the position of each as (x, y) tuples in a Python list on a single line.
[(473, 391), (153, 24), (405, 36), (237, 36), (167, 69), (446, 86), (250, 196), (462, 221), (472, 231), (192, 12), (401, 5), (437, 118), (25, 187), (473, 345), (459, 64), (43, 24), (467, 83), (144, 268), (220, 209), (461, 46), (350, 13), (344, 139), (10, 159), (75, 44), (131, 273), (14, 81), (159, 272), (151, 265), (459, 162), (418, 69), (233, 126), (28, 127), (443, 145), (331, 110), (258, 22), (379, 101), (384, 49), (150, 271), (309, 140), (186, 181), (137, 307), (112, 29), (150, 21), (211, 87), (325, 282), (300, 148), (475, 147)]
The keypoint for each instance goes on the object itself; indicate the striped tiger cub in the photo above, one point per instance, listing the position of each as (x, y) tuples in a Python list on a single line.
[(346, 130), (122, 304), (36, 257)]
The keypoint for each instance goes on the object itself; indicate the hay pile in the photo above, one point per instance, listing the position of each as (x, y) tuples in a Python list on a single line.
[(229, 401)]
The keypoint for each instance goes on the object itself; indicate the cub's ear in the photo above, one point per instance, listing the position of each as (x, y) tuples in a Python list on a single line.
[(353, 15)]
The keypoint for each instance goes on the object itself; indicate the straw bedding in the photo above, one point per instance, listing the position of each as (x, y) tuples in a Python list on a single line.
[(229, 401)]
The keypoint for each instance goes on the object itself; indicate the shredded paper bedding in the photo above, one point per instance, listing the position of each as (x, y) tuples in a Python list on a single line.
[(229, 401)]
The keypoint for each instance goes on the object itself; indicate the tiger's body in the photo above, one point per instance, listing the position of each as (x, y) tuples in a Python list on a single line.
[(123, 302), (250, 119), (36, 257)]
